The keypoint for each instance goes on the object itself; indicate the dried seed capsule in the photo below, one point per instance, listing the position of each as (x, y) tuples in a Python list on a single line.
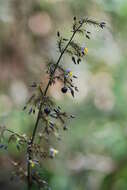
[(64, 89)]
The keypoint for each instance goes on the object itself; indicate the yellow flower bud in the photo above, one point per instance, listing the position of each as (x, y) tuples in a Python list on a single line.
[(70, 73), (85, 51)]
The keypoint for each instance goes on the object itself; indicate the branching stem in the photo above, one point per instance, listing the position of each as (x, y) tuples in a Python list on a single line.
[(29, 179)]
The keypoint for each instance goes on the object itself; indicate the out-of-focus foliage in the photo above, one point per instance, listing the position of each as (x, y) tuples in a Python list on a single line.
[(93, 153)]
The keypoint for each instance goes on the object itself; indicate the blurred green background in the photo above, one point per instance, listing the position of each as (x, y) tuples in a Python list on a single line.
[(93, 152)]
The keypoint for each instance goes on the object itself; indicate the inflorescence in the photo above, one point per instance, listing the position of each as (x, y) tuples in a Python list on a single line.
[(50, 116)]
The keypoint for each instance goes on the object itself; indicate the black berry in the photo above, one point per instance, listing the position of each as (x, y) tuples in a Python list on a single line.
[(64, 89), (47, 111)]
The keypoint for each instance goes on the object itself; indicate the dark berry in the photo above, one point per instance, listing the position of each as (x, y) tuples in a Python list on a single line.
[(64, 89), (47, 111)]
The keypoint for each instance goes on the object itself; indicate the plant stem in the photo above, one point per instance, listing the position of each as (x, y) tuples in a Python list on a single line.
[(29, 180)]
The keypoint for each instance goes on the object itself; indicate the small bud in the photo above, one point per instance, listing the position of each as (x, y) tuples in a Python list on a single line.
[(74, 18), (73, 59), (58, 33), (87, 36), (78, 60), (65, 127)]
